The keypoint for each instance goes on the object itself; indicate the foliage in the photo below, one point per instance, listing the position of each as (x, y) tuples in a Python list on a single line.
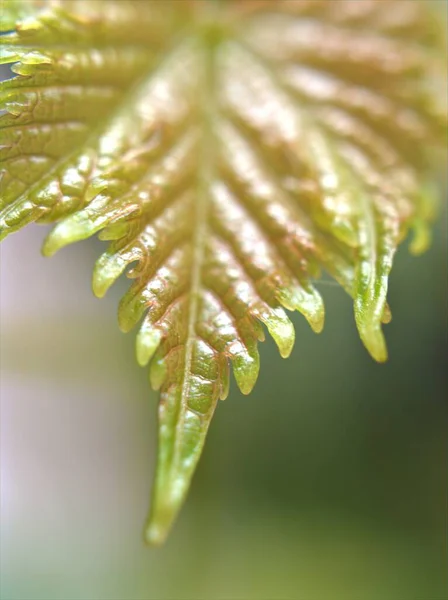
[(229, 151)]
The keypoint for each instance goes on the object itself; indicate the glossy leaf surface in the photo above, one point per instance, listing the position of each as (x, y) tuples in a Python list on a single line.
[(229, 151)]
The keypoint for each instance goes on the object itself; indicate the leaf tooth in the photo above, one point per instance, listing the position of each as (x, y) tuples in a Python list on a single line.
[(387, 315), (36, 58), (147, 342), (371, 335), (281, 329), (66, 233), (157, 372), (421, 240), (79, 226), (132, 307), (370, 303), (12, 54), (14, 108), (308, 302), (107, 270), (379, 232), (370, 295), (86, 222), (246, 366)]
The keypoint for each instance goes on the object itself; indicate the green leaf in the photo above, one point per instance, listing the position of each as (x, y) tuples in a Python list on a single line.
[(229, 152)]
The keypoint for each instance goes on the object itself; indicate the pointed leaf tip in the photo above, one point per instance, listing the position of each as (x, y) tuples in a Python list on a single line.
[(281, 330), (147, 342), (72, 229), (107, 270), (306, 301), (245, 370), (182, 434), (160, 522), (421, 240), (155, 534), (373, 339)]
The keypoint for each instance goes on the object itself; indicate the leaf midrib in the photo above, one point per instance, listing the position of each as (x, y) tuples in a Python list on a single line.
[(206, 157)]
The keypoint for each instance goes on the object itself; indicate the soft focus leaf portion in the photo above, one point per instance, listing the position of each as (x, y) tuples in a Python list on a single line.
[(12, 11), (229, 151)]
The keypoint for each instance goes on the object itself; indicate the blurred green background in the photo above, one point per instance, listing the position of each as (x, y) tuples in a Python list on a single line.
[(328, 482)]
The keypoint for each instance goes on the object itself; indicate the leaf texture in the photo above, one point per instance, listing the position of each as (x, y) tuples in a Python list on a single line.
[(229, 151)]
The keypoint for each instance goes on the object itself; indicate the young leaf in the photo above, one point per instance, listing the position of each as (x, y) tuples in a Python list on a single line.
[(229, 151)]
